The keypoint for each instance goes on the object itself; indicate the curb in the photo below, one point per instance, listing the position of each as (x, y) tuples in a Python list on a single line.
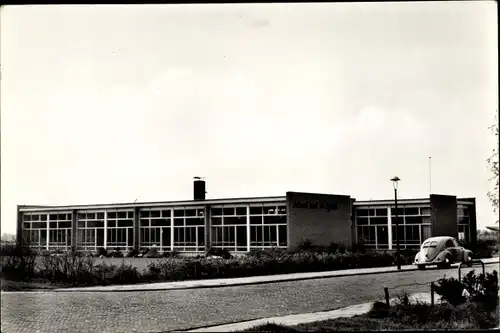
[(225, 284), (237, 284), (299, 318)]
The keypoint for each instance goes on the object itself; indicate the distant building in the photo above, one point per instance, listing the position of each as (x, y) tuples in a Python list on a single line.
[(244, 224), (8, 237)]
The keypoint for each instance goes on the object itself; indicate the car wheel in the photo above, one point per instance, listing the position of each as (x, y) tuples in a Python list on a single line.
[(447, 262), (421, 267), (469, 261)]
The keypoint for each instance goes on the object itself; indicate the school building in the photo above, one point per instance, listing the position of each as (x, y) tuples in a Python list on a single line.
[(243, 224)]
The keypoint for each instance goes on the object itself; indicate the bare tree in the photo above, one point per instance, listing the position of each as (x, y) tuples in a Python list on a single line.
[(493, 166)]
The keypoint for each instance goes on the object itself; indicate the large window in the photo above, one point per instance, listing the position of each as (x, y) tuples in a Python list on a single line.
[(266, 222), (372, 226), (60, 231), (189, 229), (463, 220), (120, 229), (35, 230), (90, 230), (155, 228), (268, 226), (229, 229)]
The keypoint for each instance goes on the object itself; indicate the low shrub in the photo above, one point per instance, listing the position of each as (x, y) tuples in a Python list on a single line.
[(170, 254), (224, 253), (132, 253), (102, 252), (152, 253), (115, 253)]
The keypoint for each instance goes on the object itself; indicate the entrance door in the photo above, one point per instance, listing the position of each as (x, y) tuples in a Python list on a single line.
[(382, 237), (165, 239)]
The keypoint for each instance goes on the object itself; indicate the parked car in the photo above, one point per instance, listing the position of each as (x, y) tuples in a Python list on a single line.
[(442, 251)]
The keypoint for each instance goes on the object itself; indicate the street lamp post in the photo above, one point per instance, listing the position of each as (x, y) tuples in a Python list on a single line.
[(395, 181)]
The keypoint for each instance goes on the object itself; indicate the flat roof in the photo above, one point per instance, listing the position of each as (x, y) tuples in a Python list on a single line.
[(27, 208)]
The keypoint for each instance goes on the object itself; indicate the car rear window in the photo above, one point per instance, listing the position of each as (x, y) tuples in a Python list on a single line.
[(430, 244)]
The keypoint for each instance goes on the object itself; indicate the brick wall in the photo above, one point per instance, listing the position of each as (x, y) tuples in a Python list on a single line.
[(319, 218), (444, 215)]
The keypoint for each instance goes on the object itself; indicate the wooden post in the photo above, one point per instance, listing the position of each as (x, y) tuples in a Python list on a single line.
[(386, 292), (432, 293)]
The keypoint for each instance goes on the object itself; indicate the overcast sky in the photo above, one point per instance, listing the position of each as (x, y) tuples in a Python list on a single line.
[(105, 104)]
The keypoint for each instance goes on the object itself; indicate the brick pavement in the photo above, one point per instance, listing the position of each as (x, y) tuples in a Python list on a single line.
[(156, 311)]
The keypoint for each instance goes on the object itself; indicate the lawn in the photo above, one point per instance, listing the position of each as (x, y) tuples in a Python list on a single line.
[(413, 317)]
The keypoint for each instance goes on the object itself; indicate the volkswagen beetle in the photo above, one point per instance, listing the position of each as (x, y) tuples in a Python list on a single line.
[(442, 251)]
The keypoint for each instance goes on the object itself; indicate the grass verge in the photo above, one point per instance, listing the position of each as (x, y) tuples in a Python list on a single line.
[(418, 316)]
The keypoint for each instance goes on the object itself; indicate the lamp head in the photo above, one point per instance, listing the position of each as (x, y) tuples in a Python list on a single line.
[(395, 181)]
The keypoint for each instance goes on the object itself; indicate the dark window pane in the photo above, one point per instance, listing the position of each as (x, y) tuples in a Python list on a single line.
[(165, 236), (65, 224), (126, 223), (81, 216), (362, 212), (413, 219), (122, 215), (281, 209), (228, 211), (217, 211), (241, 211), (39, 225), (53, 217), (144, 213), (255, 219), (111, 215), (91, 216), (27, 225), (43, 217), (411, 211), (378, 220), (178, 234), (144, 223), (27, 218), (100, 237), (371, 212), (165, 213), (274, 219), (381, 212), (255, 210), (256, 235), (190, 212), (201, 236), (94, 224), (111, 223), (200, 212), (362, 221), (35, 217), (235, 220), (155, 213), (269, 209), (52, 225), (81, 224), (179, 212), (195, 221), (282, 231), (241, 236), (216, 220), (178, 221), (160, 222), (382, 235)]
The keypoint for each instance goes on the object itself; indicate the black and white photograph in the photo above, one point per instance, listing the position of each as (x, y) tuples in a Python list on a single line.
[(249, 167)]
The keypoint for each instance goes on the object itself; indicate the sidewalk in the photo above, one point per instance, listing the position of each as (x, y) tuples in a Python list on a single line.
[(305, 318), (214, 283)]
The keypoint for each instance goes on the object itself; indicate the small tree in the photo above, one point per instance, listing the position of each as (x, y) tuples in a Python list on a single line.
[(493, 166)]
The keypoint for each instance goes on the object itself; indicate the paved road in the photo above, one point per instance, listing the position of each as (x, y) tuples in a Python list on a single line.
[(157, 311)]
